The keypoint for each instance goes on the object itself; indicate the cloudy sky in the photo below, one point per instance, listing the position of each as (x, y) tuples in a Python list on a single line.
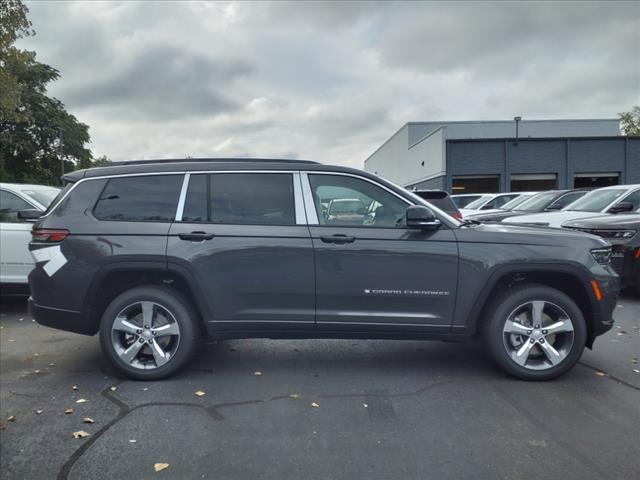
[(326, 81)]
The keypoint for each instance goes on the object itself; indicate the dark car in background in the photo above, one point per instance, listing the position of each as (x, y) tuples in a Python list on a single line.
[(540, 202), (623, 233), (152, 255), (440, 199)]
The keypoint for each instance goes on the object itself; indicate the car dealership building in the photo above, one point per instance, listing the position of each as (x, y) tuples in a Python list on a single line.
[(479, 156)]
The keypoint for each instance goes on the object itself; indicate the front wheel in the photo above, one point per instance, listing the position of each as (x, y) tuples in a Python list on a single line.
[(149, 332), (535, 332)]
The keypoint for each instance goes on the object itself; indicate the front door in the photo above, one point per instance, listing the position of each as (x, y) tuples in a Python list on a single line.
[(372, 271), (245, 241)]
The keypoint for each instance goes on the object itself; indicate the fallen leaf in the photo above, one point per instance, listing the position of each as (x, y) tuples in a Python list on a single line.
[(365, 405), (294, 395), (538, 443), (257, 374), (21, 319), (160, 466), (11, 418), (636, 370), (113, 388), (145, 389), (36, 355), (11, 340), (88, 420), (132, 441), (80, 434), (52, 364), (601, 374), (74, 387), (36, 371), (38, 412), (314, 405), (68, 411), (200, 393), (81, 400)]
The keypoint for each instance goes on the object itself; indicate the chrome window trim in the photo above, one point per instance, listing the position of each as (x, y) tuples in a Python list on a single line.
[(309, 204), (301, 217), (182, 198), (146, 174)]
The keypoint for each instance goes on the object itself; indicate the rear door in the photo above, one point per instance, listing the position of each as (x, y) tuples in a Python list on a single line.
[(375, 273), (243, 237)]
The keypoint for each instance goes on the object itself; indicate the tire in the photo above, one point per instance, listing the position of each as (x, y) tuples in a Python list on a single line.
[(508, 342), (149, 332)]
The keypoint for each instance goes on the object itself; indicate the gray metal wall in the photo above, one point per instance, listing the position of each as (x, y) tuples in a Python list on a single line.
[(564, 157), (437, 183)]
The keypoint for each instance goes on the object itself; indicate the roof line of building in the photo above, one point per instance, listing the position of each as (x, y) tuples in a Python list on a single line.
[(386, 141), (563, 138), (553, 120)]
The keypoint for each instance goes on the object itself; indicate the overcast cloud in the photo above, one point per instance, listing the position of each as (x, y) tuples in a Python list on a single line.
[(326, 81)]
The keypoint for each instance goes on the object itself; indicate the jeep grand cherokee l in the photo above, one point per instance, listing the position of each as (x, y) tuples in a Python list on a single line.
[(152, 255)]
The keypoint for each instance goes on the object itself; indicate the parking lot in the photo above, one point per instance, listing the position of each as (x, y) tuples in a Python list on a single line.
[(316, 409)]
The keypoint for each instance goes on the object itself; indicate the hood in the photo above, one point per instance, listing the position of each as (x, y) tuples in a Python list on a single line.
[(551, 219), (498, 216), (524, 235), (607, 222)]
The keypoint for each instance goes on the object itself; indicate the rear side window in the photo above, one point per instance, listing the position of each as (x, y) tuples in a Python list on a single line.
[(241, 199), (151, 198)]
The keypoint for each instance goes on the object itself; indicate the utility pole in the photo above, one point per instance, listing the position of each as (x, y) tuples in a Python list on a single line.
[(61, 147)]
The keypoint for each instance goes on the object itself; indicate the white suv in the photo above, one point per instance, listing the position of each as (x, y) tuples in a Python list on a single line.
[(15, 260), (616, 199)]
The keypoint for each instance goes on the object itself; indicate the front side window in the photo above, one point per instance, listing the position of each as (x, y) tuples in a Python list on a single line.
[(10, 205), (241, 199), (152, 198), (567, 199), (348, 201)]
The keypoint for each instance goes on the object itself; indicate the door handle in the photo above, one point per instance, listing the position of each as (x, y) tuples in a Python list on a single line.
[(196, 236), (339, 239)]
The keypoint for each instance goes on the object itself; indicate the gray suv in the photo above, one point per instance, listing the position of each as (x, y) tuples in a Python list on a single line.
[(154, 255)]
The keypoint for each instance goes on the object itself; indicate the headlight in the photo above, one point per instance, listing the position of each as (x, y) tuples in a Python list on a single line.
[(622, 234), (602, 255)]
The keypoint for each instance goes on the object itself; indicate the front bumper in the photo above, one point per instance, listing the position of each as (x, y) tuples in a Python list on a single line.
[(603, 309), (61, 319)]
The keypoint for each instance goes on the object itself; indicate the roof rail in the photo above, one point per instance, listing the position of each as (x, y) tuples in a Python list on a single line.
[(222, 160)]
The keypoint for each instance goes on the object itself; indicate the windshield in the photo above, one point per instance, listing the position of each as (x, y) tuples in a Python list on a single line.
[(478, 203), (595, 201), (537, 203), (462, 201), (44, 197), (511, 204)]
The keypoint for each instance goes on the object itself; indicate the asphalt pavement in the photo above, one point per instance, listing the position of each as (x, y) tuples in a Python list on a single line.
[(307, 409)]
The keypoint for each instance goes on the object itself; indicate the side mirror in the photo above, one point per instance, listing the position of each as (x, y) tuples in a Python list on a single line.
[(622, 207), (421, 217), (29, 215)]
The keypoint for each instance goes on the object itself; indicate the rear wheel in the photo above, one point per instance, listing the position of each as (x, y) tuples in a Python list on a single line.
[(148, 332), (535, 332)]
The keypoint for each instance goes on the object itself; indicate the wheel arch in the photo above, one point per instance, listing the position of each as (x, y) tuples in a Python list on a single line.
[(112, 280), (571, 280)]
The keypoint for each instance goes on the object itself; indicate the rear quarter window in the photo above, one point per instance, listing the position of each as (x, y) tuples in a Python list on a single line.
[(152, 198)]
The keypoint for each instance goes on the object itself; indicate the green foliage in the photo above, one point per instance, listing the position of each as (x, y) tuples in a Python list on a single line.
[(31, 122), (630, 122)]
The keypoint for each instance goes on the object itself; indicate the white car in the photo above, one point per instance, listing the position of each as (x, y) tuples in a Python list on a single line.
[(616, 199), (15, 260), (490, 201), (510, 205)]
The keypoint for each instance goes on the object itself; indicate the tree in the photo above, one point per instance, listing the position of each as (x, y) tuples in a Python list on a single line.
[(630, 122), (33, 126)]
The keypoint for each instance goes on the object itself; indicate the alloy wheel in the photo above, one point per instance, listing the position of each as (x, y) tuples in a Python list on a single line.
[(538, 335), (145, 335)]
